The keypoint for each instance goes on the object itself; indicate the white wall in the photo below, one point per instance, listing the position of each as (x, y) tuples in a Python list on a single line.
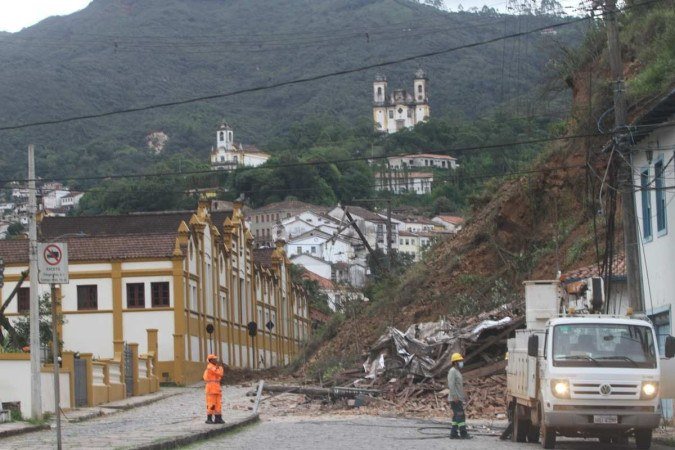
[(135, 330), (89, 333), (15, 386), (658, 252)]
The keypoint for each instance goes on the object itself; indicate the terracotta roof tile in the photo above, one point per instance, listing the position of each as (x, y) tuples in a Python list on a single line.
[(99, 248), (263, 256), (323, 283), (618, 269)]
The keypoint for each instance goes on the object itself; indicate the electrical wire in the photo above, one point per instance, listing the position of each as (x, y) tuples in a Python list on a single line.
[(305, 79)]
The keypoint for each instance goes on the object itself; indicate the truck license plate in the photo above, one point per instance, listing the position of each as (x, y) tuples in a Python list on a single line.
[(605, 419)]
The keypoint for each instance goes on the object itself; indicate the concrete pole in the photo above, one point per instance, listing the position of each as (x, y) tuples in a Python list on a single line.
[(35, 385), (625, 173)]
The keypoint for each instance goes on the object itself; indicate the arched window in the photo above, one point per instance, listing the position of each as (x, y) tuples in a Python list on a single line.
[(419, 88), (222, 136), (379, 91)]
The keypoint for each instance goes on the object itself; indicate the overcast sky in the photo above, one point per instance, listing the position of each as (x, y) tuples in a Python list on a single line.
[(18, 14)]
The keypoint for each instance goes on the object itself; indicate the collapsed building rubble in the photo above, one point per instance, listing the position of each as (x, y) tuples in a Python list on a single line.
[(404, 372), (410, 367)]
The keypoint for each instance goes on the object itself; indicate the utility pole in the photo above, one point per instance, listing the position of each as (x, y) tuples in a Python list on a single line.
[(389, 232), (35, 385), (625, 172)]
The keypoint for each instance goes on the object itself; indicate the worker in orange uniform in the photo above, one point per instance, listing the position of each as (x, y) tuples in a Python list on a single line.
[(214, 394)]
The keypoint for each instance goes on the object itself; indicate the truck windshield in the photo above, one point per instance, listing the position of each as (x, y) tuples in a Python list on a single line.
[(606, 345)]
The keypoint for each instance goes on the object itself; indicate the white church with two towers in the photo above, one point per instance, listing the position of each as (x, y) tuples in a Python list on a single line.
[(400, 109)]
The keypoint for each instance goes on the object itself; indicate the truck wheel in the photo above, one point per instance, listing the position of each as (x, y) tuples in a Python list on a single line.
[(547, 436), (643, 438)]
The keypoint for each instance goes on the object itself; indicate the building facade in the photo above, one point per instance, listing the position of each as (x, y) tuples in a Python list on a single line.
[(175, 272), (422, 161), (653, 163), (403, 182), (400, 109), (229, 155)]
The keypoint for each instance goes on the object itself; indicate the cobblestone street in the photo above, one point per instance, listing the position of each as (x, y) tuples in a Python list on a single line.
[(374, 433), (179, 415)]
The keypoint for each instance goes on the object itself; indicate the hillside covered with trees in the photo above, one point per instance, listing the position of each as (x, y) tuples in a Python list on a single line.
[(129, 53)]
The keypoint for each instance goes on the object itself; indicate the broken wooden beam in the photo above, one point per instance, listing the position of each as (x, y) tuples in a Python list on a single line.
[(490, 369)]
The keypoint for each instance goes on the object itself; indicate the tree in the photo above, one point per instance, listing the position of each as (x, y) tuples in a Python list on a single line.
[(22, 325), (15, 230)]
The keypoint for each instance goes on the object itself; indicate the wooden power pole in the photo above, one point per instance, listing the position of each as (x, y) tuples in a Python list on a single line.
[(628, 214)]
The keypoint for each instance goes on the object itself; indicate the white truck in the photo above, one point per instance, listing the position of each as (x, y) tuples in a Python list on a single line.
[(573, 372)]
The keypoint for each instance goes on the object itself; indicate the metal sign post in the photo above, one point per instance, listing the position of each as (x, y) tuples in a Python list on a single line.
[(53, 270)]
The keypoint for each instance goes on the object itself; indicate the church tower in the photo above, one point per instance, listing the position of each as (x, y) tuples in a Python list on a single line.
[(224, 137), (379, 102), (422, 111)]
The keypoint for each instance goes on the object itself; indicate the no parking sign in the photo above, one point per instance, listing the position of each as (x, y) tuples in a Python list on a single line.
[(53, 263)]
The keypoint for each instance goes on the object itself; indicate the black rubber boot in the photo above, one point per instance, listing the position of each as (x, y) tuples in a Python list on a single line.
[(463, 434), (453, 432), (209, 419), (219, 419)]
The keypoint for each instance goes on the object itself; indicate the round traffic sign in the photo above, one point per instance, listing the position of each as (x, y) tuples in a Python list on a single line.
[(52, 255)]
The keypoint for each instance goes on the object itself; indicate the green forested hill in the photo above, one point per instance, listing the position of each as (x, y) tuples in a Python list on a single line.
[(117, 54)]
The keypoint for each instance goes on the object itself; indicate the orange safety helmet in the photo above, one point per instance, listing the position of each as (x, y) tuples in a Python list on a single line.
[(210, 357)]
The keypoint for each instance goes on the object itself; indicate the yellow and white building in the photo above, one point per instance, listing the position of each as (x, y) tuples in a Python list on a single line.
[(175, 272)]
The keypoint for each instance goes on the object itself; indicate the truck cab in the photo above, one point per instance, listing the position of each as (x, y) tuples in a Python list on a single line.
[(582, 374)]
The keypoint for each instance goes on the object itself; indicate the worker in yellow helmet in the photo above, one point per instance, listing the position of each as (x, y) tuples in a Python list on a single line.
[(457, 398)]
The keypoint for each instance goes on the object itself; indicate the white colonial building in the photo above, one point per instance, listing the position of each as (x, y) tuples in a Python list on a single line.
[(173, 273), (402, 182), (400, 109), (653, 162), (229, 155), (422, 161)]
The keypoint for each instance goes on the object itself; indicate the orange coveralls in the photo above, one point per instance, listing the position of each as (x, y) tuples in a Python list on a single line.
[(212, 376)]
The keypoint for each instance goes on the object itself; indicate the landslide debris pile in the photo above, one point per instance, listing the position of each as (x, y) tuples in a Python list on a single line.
[(408, 369)]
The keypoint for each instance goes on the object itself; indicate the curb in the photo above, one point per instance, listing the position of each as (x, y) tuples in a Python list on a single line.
[(30, 429), (115, 409), (181, 441)]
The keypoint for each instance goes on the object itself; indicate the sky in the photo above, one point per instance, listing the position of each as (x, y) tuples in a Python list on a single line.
[(18, 14)]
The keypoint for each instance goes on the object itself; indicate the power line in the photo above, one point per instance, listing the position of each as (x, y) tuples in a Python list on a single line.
[(298, 80), (338, 161), (307, 79)]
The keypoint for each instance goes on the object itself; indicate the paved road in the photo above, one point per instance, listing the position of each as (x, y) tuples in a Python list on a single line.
[(174, 416), (369, 432)]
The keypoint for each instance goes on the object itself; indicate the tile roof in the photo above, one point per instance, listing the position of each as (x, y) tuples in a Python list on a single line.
[(455, 220), (365, 214), (432, 155), (324, 283), (263, 256), (97, 248), (127, 224), (618, 269)]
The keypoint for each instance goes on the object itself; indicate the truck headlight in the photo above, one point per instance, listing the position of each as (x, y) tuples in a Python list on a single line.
[(649, 390), (560, 388)]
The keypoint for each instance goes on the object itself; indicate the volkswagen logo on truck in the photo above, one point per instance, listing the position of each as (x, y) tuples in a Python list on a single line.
[(605, 389)]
